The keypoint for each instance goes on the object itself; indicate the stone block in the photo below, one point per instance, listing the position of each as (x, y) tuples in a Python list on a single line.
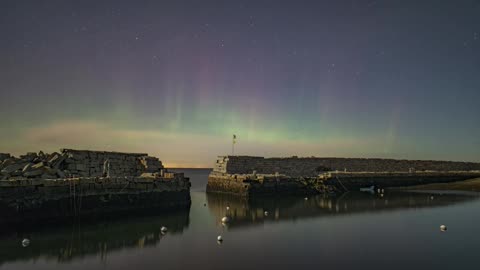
[(34, 173), (39, 165), (13, 167), (27, 167)]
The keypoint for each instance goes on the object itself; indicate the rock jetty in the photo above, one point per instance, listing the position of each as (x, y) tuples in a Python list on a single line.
[(247, 175)]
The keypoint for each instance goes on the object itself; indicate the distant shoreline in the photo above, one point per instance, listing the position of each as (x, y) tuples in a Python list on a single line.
[(466, 185)]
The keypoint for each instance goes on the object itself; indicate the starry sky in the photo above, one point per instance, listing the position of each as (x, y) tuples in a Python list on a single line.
[(176, 79)]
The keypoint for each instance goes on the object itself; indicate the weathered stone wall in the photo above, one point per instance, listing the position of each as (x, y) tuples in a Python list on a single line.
[(91, 163), (47, 199), (311, 166), (253, 185)]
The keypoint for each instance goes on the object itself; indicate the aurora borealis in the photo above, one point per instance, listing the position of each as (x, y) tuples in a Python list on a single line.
[(175, 79)]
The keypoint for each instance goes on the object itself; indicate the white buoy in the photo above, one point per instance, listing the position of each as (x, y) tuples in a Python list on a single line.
[(265, 213), (219, 238), (25, 242), (443, 228), (163, 230), (225, 220)]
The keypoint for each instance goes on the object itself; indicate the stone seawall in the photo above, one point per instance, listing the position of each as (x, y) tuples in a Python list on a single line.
[(60, 199), (312, 166), (354, 181), (78, 183), (254, 185)]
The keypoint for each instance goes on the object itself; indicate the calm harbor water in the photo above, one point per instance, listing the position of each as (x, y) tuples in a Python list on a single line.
[(355, 231)]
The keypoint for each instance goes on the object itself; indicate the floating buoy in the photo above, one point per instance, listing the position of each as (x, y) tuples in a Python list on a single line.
[(225, 220), (219, 238), (163, 230), (443, 228), (25, 242), (265, 213)]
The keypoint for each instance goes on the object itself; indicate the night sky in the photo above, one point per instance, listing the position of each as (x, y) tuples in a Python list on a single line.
[(176, 79)]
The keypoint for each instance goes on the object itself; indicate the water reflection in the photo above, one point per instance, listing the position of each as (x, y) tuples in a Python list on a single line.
[(258, 210), (63, 244)]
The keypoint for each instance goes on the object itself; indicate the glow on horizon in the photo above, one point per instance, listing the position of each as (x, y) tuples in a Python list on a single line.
[(299, 82)]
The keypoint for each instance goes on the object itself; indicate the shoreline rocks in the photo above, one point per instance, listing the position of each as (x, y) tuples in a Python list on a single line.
[(76, 163)]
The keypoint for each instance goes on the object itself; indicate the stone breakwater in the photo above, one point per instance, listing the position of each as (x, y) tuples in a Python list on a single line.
[(312, 166), (74, 183), (245, 175), (264, 184)]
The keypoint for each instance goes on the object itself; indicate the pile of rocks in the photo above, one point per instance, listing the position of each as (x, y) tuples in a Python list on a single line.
[(77, 163), (32, 165)]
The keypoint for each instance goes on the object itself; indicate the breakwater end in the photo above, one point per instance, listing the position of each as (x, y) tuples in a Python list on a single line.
[(247, 176), (76, 183)]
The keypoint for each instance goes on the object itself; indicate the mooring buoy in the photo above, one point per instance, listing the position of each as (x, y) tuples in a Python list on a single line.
[(443, 228), (25, 242), (225, 220)]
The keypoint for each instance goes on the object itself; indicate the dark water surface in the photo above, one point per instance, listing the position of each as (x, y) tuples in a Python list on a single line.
[(354, 231)]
